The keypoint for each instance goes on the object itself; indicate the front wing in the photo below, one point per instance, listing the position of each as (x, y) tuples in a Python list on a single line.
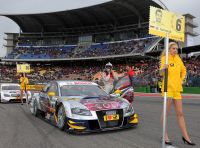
[(87, 126)]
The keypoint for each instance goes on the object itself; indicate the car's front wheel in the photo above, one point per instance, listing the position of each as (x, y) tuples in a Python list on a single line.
[(61, 122)]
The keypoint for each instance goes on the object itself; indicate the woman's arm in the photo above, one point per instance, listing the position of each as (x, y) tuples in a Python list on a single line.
[(183, 71), (114, 75), (21, 79), (163, 66), (27, 81)]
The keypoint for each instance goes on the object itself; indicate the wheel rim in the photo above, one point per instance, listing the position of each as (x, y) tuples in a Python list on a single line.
[(61, 117)]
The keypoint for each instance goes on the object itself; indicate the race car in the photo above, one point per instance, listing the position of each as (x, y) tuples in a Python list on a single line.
[(82, 106), (10, 92)]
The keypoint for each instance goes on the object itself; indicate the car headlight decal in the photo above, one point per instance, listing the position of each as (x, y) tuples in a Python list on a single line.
[(79, 111), (6, 95)]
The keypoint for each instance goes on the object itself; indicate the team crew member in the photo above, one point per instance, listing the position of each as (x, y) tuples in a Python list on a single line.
[(176, 75), (159, 85), (108, 77), (130, 73), (23, 86)]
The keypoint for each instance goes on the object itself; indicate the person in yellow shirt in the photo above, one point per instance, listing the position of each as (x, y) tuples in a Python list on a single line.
[(23, 85), (176, 75), (159, 85)]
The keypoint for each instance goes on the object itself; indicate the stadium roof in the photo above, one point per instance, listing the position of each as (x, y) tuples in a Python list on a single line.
[(106, 15), (190, 49)]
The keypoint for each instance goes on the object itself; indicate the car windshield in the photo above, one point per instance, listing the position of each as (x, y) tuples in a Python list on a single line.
[(82, 90), (13, 87)]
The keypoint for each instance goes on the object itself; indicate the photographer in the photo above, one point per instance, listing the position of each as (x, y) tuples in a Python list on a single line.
[(108, 77)]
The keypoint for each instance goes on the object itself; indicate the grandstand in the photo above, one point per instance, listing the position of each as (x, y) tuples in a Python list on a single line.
[(76, 44), (94, 51), (115, 28)]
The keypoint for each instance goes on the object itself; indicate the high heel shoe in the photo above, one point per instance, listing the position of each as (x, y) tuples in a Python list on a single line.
[(187, 142), (168, 142)]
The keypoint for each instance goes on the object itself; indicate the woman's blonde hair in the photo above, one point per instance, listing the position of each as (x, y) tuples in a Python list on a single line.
[(170, 46)]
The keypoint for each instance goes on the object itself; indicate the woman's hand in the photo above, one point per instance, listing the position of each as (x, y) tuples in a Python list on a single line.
[(165, 66), (162, 70)]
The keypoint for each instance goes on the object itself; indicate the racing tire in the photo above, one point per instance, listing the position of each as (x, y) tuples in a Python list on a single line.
[(62, 119)]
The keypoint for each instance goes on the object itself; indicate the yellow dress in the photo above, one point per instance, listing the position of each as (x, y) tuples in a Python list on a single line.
[(23, 82), (176, 75)]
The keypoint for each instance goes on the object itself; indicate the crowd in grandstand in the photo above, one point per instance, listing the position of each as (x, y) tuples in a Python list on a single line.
[(42, 52), (43, 73), (116, 48), (146, 72), (193, 71), (74, 51)]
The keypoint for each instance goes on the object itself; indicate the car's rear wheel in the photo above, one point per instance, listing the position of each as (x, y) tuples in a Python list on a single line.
[(62, 119)]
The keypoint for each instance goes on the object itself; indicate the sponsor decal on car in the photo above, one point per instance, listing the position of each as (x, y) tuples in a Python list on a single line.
[(84, 83), (68, 99), (101, 104), (77, 83)]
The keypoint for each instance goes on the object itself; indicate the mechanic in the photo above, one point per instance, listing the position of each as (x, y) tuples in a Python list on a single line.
[(108, 77), (23, 85)]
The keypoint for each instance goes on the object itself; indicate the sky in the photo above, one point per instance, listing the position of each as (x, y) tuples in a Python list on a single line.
[(39, 6)]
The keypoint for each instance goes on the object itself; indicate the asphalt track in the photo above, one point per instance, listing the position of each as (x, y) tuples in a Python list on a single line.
[(19, 129)]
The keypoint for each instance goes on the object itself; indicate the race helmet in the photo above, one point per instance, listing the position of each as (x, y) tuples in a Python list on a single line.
[(108, 65)]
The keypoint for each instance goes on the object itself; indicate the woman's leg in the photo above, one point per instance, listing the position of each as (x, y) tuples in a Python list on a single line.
[(181, 120), (169, 102), (21, 96)]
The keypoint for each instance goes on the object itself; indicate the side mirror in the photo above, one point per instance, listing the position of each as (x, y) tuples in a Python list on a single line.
[(51, 94)]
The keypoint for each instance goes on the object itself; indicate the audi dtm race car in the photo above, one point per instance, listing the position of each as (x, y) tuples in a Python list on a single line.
[(82, 106), (10, 92)]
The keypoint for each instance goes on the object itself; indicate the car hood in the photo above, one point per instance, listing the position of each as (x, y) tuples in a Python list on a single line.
[(96, 103)]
